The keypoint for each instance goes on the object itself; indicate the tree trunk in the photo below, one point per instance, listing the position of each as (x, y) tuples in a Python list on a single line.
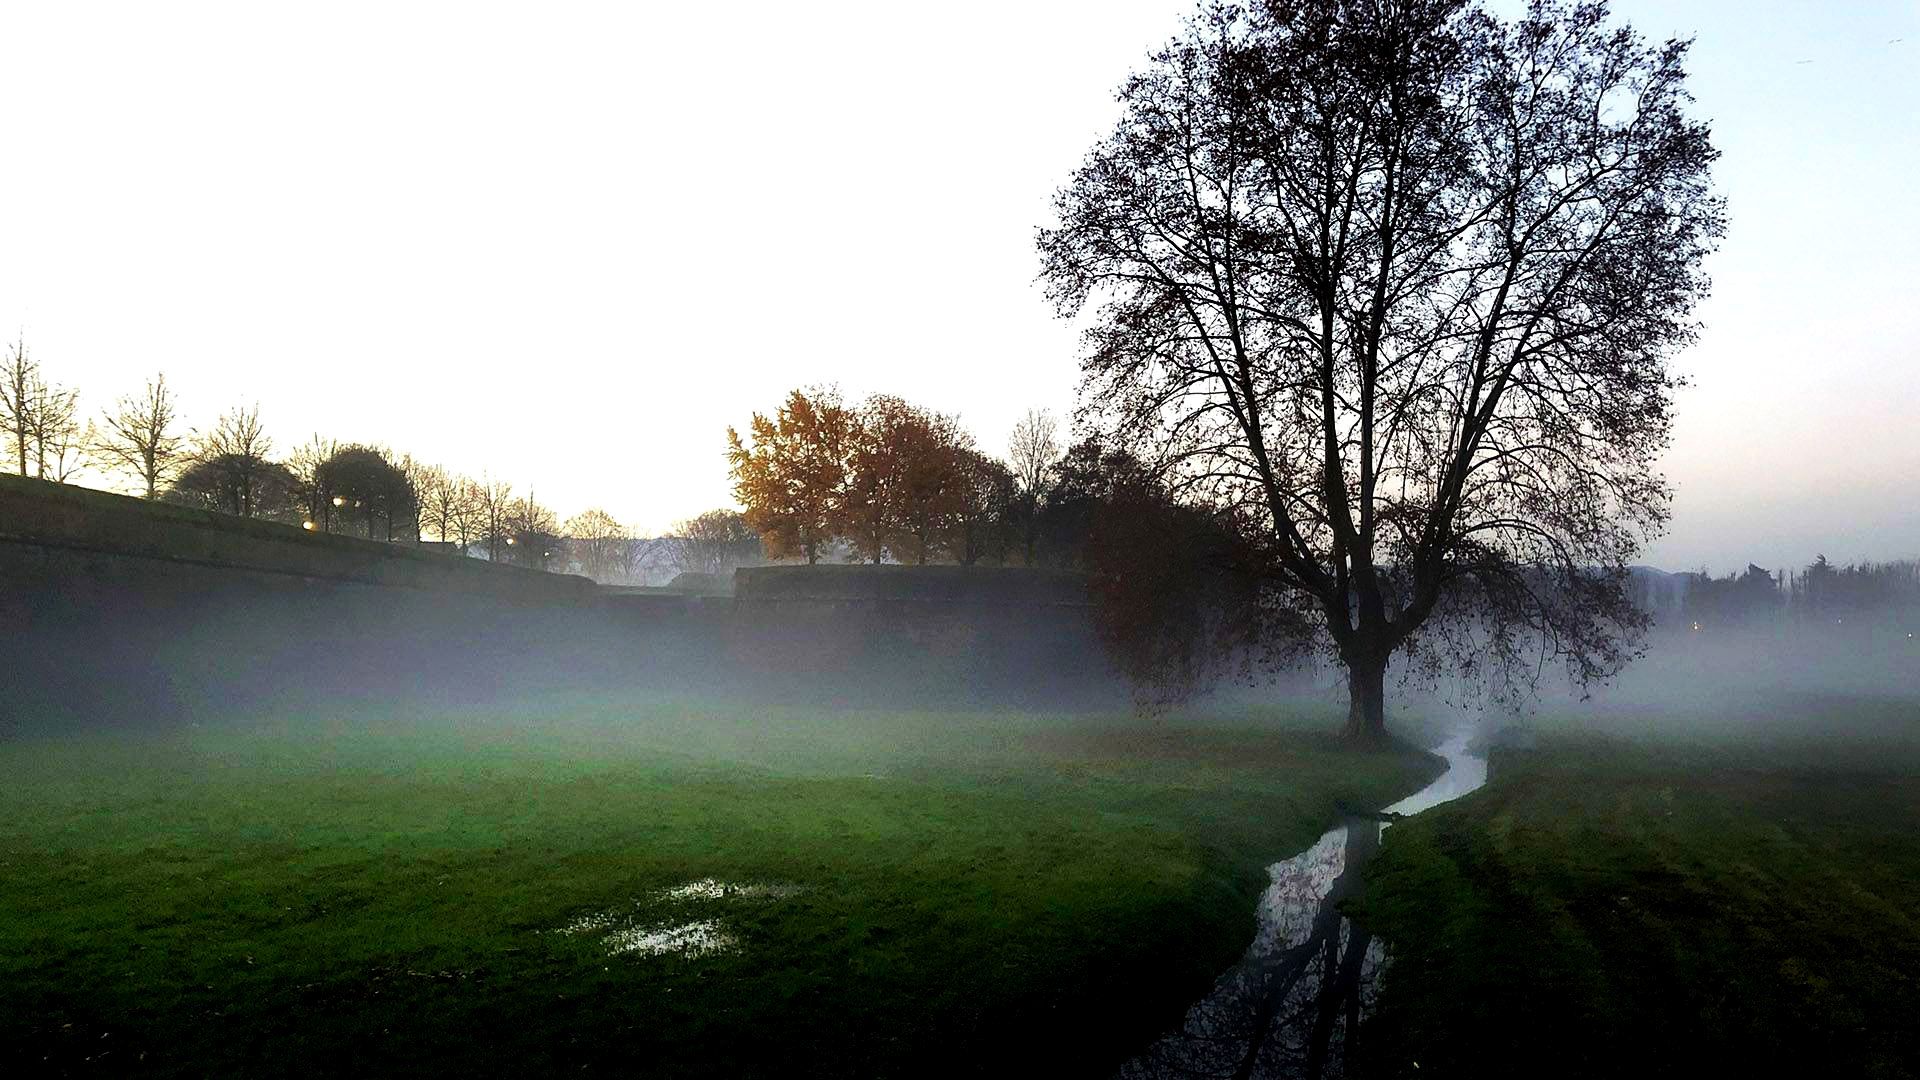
[(1366, 700)]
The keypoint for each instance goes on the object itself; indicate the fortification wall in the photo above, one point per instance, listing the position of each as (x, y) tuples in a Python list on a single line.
[(922, 634), (36, 515), (118, 611)]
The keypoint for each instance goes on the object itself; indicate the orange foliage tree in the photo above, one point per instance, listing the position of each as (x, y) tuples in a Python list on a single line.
[(792, 478), (889, 478)]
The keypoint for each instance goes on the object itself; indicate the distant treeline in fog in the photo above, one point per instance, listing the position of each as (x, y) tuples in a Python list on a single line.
[(1820, 591)]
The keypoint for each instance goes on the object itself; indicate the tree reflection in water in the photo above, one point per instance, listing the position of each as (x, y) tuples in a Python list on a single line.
[(1292, 1005)]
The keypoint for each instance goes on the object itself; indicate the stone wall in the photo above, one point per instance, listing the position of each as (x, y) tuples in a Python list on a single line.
[(120, 611), (36, 514)]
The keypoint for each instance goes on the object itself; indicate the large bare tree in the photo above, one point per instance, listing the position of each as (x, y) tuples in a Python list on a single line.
[(1395, 286), (142, 436)]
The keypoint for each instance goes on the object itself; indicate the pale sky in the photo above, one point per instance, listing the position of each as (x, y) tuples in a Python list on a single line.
[(568, 245)]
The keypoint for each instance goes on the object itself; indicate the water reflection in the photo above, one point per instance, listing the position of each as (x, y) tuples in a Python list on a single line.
[(1292, 1004)]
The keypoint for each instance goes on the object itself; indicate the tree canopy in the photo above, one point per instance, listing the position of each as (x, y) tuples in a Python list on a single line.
[(888, 478)]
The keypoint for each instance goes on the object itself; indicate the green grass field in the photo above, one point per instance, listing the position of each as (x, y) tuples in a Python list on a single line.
[(952, 893), (1733, 891)]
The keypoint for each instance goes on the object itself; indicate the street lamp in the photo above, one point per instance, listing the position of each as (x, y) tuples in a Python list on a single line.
[(307, 525)]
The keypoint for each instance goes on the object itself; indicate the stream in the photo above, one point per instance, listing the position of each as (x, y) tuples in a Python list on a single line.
[(1288, 1008)]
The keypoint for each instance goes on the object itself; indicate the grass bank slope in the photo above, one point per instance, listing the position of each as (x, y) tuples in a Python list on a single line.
[(1731, 894), (877, 894)]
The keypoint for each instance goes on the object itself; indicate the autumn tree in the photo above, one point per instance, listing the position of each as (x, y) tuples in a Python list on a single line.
[(927, 450), (1399, 283), (142, 436), (986, 493), (791, 473), (904, 485), (1032, 448)]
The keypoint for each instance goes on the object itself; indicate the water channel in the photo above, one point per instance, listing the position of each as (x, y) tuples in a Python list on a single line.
[(1290, 1006)]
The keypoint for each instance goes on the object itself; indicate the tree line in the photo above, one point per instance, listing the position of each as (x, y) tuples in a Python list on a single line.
[(1820, 592), (885, 479), (344, 488)]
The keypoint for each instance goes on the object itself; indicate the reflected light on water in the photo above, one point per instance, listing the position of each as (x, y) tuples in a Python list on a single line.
[(1290, 1007)]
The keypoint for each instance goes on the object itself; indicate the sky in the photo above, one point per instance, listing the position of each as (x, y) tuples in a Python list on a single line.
[(568, 245)]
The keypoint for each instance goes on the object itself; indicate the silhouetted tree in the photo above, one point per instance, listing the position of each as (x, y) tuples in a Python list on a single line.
[(1750, 596), (1084, 477), (305, 463), (141, 436), (1825, 591), (363, 486), (447, 505), (237, 451), (980, 527), (493, 510), (1399, 282), (533, 538), (243, 487)]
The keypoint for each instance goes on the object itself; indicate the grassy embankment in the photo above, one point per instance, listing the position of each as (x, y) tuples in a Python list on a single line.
[(1725, 893), (336, 896)]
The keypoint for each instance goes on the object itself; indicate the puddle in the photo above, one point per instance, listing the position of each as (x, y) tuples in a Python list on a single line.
[(627, 931), (1291, 1005), (711, 889), (703, 938), (621, 933)]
